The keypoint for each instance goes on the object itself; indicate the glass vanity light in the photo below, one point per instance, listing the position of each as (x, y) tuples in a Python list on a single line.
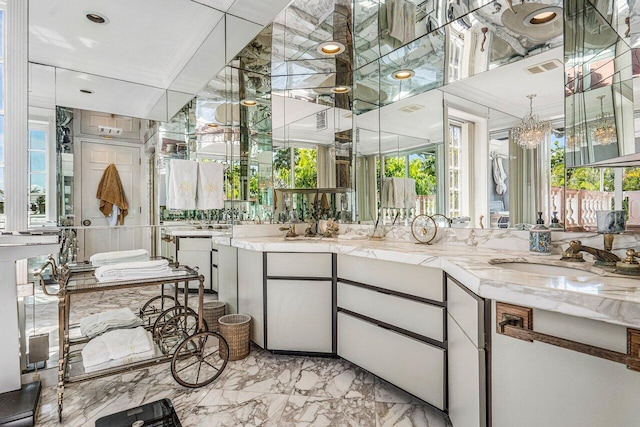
[(531, 132), (605, 131)]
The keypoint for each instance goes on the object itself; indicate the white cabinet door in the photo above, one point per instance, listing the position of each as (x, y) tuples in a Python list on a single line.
[(214, 278), (535, 384), (466, 356), (228, 277), (299, 315), (200, 259), (410, 364), (467, 403), (250, 291)]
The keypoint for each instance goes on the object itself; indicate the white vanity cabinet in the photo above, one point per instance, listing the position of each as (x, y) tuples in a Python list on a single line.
[(196, 252), (391, 322), (467, 356), (290, 299), (299, 292), (537, 384)]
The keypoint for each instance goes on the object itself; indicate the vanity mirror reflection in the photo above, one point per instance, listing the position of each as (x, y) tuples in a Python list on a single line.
[(496, 54)]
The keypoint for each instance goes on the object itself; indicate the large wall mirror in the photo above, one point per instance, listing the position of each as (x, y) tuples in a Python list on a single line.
[(444, 109), (428, 117)]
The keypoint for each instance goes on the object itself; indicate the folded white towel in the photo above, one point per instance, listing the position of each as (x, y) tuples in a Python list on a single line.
[(134, 270), (137, 357), (181, 184), (105, 258), (115, 345), (96, 324), (210, 186)]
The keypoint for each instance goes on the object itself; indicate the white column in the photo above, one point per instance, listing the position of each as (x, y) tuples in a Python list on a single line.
[(9, 333), (16, 122)]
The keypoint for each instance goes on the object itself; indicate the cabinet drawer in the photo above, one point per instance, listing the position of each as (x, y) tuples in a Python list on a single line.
[(467, 311), (194, 244), (280, 264), (425, 282), (414, 316), (407, 363)]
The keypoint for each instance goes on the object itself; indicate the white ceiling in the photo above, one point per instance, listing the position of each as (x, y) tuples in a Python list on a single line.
[(506, 88), (157, 44)]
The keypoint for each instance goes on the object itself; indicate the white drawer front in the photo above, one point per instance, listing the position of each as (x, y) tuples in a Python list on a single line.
[(414, 316), (194, 244), (467, 311), (298, 265), (415, 280), (409, 364)]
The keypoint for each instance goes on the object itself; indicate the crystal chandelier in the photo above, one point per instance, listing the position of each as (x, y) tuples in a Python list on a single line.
[(605, 129), (531, 132), (575, 137)]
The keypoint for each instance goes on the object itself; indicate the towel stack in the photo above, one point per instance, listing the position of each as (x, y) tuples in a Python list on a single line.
[(96, 324), (117, 348), (136, 271), (116, 257)]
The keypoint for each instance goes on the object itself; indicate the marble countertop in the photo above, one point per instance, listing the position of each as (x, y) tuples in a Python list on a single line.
[(196, 233), (583, 291)]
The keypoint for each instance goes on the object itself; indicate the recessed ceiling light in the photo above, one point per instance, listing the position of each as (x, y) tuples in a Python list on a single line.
[(248, 103), (96, 18), (543, 18), (340, 89), (331, 48), (86, 91), (212, 125), (403, 74)]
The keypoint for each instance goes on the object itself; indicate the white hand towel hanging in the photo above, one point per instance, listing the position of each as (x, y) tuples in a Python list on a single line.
[(410, 195), (210, 186), (499, 175), (183, 178)]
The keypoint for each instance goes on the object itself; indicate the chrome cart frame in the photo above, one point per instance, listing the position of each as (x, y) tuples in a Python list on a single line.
[(180, 334)]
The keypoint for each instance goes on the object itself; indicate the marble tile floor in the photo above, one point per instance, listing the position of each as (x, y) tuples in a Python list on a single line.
[(261, 390)]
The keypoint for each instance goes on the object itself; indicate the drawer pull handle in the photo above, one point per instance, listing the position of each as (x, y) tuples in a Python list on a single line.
[(517, 322)]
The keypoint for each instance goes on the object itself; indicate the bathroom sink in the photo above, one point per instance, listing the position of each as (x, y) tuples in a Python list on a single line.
[(544, 269)]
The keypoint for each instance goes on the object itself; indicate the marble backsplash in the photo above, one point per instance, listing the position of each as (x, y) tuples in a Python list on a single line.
[(509, 239)]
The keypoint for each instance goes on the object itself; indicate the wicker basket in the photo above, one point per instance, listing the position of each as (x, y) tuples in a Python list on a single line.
[(236, 328), (212, 311)]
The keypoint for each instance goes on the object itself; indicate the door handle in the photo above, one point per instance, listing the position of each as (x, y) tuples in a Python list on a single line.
[(86, 222)]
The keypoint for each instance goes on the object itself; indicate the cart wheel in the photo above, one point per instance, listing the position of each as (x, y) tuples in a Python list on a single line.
[(168, 314), (198, 360), (157, 305), (177, 329)]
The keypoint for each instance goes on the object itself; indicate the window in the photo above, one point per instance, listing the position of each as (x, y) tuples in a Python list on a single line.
[(38, 141), (455, 141), (305, 167)]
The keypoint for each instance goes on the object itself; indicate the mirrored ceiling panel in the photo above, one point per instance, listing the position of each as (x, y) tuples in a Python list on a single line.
[(96, 93)]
